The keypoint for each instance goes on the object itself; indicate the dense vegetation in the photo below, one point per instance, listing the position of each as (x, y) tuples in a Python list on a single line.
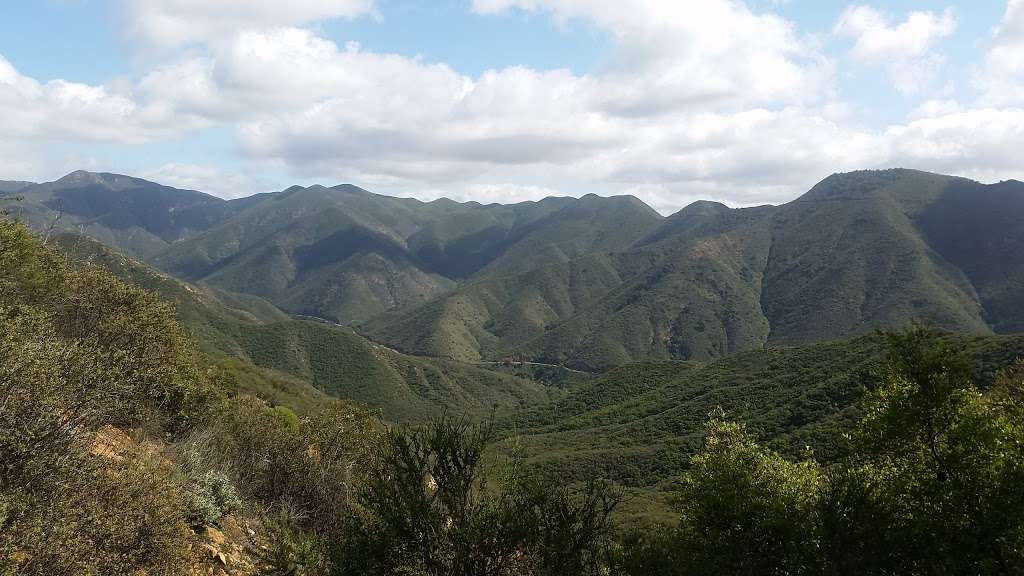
[(639, 423), (428, 508), (85, 357), (930, 486)]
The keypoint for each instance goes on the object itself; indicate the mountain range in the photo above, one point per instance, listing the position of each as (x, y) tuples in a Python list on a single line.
[(591, 282)]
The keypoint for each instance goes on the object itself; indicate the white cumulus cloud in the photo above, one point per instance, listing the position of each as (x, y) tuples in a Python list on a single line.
[(1002, 77), (59, 109), (906, 48), (682, 55), (981, 143), (171, 23)]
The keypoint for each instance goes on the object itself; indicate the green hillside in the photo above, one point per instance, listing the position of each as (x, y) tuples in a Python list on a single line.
[(348, 255), (404, 388), (638, 423), (979, 230), (693, 295), (494, 316), (282, 353), (847, 257)]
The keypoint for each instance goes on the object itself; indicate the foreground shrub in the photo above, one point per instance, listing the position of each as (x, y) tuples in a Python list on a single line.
[(52, 393), (428, 508), (138, 334), (97, 517), (290, 550), (305, 465), (78, 349)]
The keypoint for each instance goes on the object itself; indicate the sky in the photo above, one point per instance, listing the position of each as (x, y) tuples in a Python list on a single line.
[(672, 101)]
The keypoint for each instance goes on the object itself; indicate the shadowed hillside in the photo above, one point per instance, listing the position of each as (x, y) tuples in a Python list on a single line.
[(139, 217)]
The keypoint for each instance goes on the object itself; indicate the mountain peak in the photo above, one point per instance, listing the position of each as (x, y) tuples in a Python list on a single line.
[(350, 188), (105, 179), (616, 202), (79, 177), (689, 217), (862, 183), (701, 208)]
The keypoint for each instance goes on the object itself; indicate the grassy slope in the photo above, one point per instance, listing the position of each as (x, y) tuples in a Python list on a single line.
[(281, 357)]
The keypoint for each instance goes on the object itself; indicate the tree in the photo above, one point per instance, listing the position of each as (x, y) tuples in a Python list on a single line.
[(746, 509), (429, 508), (933, 483)]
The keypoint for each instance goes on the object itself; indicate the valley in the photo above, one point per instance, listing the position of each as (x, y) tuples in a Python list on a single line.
[(591, 338)]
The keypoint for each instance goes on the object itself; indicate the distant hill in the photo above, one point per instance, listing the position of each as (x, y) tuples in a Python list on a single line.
[(134, 215), (590, 282), (13, 186), (348, 255)]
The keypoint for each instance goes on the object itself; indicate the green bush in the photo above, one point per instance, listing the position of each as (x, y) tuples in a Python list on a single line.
[(747, 510), (933, 484), (309, 464), (79, 349), (97, 517), (428, 508), (211, 497)]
